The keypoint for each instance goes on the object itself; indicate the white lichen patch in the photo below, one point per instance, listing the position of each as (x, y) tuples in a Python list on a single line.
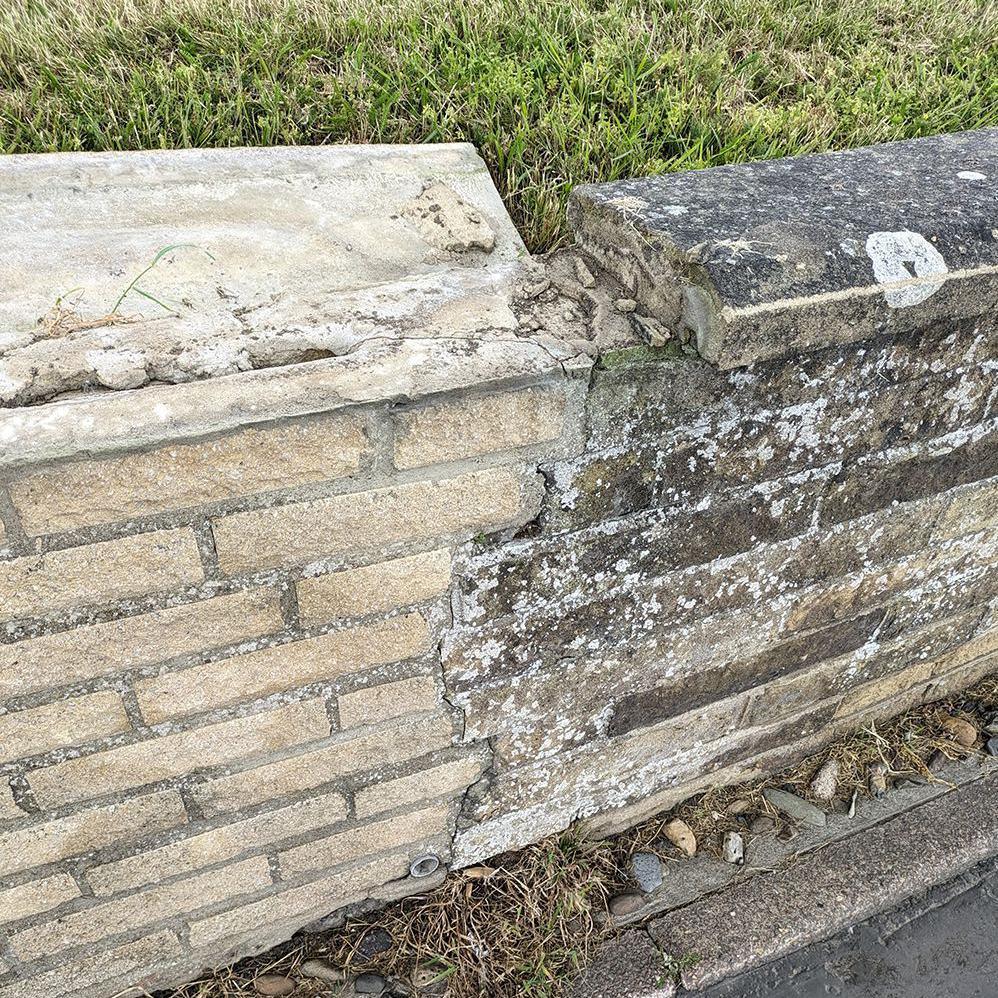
[(909, 267)]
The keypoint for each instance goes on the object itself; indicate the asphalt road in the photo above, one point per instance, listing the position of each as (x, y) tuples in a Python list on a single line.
[(942, 944)]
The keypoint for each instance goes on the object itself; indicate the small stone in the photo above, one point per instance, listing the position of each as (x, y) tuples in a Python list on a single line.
[(960, 730), (478, 872), (739, 806), (273, 984), (937, 762), (370, 984), (681, 836), (878, 779), (764, 823), (374, 942), (626, 904), (826, 780), (796, 807), (646, 869), (584, 274), (733, 848), (322, 970), (992, 746), (625, 305)]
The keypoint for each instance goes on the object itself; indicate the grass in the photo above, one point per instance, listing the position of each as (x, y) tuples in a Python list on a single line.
[(524, 924), (553, 92)]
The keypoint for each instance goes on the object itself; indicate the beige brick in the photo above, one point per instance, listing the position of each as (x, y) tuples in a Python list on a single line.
[(38, 896), (103, 920), (979, 647), (112, 969), (380, 703), (469, 427), (364, 840), (217, 845), (282, 667), (170, 756), (69, 722), (399, 742), (184, 475), (302, 532), (450, 778), (50, 841), (102, 649), (374, 588), (290, 909), (157, 562)]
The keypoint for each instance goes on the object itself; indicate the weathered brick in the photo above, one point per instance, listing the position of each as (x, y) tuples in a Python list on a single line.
[(68, 722), (9, 811), (417, 511), (37, 896), (364, 840), (449, 778), (885, 688), (102, 649), (470, 427), (281, 667), (379, 588), (401, 741), (49, 841), (217, 845), (878, 484), (170, 756), (100, 921), (971, 510), (183, 475), (119, 966), (379, 703), (157, 562), (286, 911)]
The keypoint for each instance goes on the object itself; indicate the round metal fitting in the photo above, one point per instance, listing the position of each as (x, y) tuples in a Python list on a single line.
[(425, 866)]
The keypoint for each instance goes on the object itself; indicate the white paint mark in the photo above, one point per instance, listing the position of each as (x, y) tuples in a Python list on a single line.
[(675, 209), (907, 264), (971, 175)]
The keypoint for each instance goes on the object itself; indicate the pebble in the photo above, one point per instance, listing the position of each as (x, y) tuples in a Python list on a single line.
[(321, 970), (960, 730), (826, 780), (625, 305), (992, 746), (937, 762), (681, 836), (764, 823), (739, 806), (646, 869), (369, 984), (273, 984), (796, 807), (733, 848), (374, 942), (626, 904), (878, 779)]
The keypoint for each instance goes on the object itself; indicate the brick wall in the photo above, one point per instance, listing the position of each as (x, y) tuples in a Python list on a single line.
[(256, 660)]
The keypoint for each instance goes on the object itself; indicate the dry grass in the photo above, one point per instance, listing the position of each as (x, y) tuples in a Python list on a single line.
[(526, 922)]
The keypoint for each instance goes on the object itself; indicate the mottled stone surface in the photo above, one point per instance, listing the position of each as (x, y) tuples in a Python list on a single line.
[(771, 258)]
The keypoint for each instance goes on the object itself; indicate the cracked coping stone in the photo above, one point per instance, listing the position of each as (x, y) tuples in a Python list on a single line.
[(767, 259), (317, 276)]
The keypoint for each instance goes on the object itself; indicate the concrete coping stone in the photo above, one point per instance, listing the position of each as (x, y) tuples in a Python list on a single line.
[(769, 259), (148, 295)]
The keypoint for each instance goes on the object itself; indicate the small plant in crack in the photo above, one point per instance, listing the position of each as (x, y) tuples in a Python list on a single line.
[(133, 286)]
